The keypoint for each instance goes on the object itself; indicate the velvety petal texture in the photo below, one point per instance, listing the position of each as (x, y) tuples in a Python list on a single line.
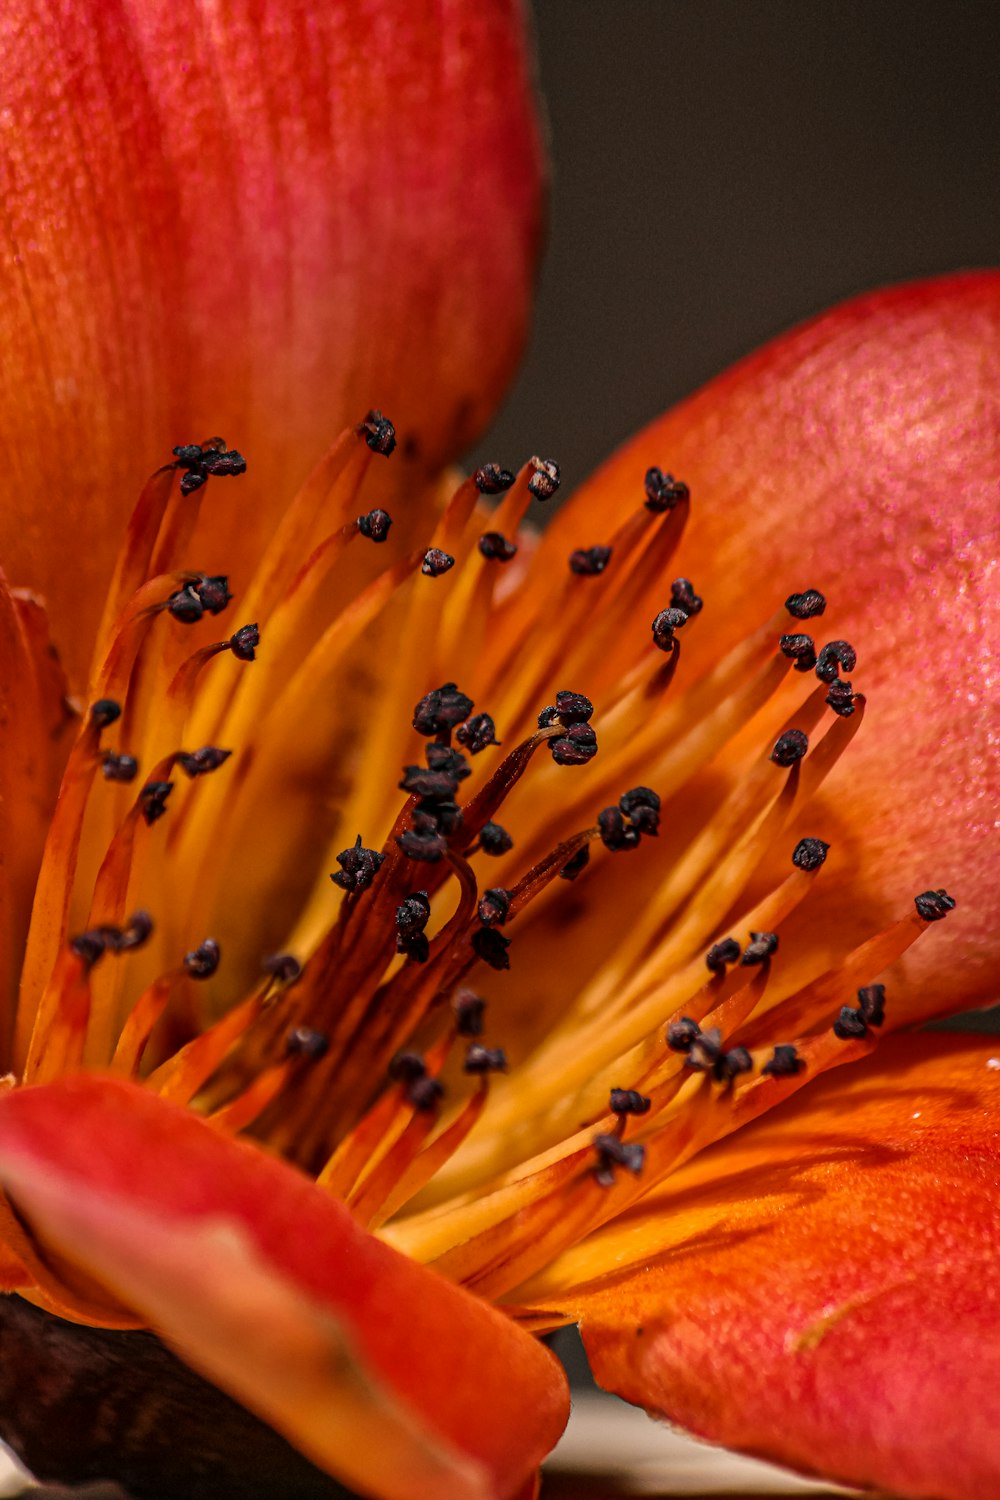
[(860, 455), (255, 218), (822, 1289), (370, 1363)]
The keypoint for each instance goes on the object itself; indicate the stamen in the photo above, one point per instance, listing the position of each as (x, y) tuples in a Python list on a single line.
[(122, 768), (201, 762), (684, 598), (834, 655), (480, 1060), (589, 562), (760, 948), (379, 433), (871, 1003), (663, 491), (807, 605), (790, 747), (436, 562), (202, 962), (932, 906), (613, 1152), (628, 1102), (849, 1024), (809, 854), (358, 867), (496, 548), (800, 649), (721, 954), (664, 626), (244, 642), (544, 480), (491, 946), (494, 840), (468, 1008), (784, 1062), (477, 733), (491, 479), (375, 525)]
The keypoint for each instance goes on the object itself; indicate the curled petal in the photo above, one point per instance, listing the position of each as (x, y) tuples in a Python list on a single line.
[(259, 220), (859, 455), (821, 1290), (381, 1372)]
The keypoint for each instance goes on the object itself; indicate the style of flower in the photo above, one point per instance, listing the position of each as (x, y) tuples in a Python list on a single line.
[(614, 873)]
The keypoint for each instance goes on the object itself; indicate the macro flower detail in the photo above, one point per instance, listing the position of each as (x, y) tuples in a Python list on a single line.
[(422, 931)]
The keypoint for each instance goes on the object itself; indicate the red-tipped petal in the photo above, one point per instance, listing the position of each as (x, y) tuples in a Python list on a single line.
[(822, 1290), (258, 220), (860, 455), (379, 1370)]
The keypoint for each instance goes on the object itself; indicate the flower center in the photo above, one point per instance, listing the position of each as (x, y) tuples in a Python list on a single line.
[(483, 1035)]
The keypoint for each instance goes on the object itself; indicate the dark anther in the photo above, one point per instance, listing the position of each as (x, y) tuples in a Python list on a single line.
[(663, 491), (284, 967), (491, 479), (807, 605), (841, 699), (480, 1059), (727, 1067), (243, 644), (436, 562), (850, 1023), (441, 710), (477, 733), (641, 806), (202, 962), (790, 747), (628, 1102), (444, 758), (575, 747), (933, 905), (833, 655), (575, 865), (468, 1008), (682, 1034), (491, 946), (496, 547), (545, 480), (119, 767), (548, 716), (153, 799), (589, 561), (683, 597), (413, 913), (412, 916), (573, 708), (705, 1050), (214, 593), (88, 946), (423, 842), (443, 816), (104, 712), (871, 1003), (302, 1041), (200, 762), (721, 954), (136, 932), (616, 834), (494, 905), (666, 622), (358, 867), (613, 1152), (801, 649), (199, 461), (378, 432), (407, 1067), (809, 854), (760, 947), (494, 840), (424, 1093), (375, 525), (424, 783), (784, 1062), (186, 606)]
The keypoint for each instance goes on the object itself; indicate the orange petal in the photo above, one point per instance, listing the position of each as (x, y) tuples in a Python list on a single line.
[(823, 1289), (257, 220), (380, 1371), (860, 455)]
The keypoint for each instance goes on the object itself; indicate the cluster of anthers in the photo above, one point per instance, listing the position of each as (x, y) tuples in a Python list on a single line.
[(635, 1038)]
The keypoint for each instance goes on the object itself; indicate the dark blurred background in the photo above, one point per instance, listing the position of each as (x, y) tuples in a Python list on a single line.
[(725, 168)]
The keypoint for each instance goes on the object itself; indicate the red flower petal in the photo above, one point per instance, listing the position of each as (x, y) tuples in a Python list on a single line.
[(860, 455), (257, 220), (823, 1289), (381, 1371)]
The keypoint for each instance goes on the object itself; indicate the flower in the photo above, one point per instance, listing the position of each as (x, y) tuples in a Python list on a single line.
[(644, 795)]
